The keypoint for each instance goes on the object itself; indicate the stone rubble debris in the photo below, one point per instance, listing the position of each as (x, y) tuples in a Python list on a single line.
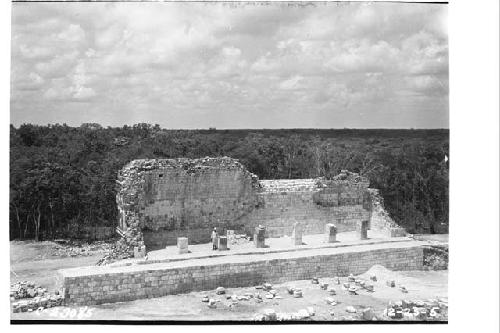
[(415, 310), (270, 315), (220, 291), (26, 289), (331, 301), (37, 302), (368, 314), (297, 293), (350, 309), (353, 290), (212, 303), (32, 297), (310, 311), (369, 287)]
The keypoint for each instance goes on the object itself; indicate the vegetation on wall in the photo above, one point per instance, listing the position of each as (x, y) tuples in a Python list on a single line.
[(62, 178)]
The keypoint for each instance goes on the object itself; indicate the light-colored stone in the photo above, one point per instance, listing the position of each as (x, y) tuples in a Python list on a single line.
[(182, 245)]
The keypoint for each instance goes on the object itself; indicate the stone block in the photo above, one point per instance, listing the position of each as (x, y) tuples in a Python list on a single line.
[(259, 237), (364, 230), (182, 245), (139, 251), (297, 234), (330, 233), (230, 236), (222, 243)]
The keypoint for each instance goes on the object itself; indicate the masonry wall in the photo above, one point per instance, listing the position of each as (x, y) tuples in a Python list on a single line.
[(161, 200), (155, 280), (190, 204), (313, 207), (282, 210)]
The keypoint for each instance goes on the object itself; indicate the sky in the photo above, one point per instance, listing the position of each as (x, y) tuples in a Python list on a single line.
[(200, 65)]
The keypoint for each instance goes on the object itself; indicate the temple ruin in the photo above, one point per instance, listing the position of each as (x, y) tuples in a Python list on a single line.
[(160, 200)]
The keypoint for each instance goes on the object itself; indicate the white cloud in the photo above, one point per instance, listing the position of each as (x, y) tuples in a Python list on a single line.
[(235, 59)]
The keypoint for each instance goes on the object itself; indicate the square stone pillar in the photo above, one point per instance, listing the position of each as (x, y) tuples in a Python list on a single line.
[(182, 245), (259, 237), (230, 236), (222, 243), (330, 233), (139, 251), (297, 234), (364, 230)]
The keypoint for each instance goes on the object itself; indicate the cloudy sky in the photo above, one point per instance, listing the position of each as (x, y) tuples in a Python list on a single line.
[(194, 65)]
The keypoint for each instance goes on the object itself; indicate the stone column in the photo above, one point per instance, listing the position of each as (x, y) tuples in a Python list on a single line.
[(259, 237), (140, 251), (182, 245), (230, 236), (222, 243), (297, 234), (330, 233), (364, 230)]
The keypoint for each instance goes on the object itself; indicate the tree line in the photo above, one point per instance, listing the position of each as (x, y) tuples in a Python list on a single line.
[(62, 178)]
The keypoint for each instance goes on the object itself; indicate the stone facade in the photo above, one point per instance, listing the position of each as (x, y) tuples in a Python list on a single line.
[(107, 284), (161, 200)]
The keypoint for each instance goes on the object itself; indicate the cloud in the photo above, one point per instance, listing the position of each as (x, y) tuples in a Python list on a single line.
[(186, 64)]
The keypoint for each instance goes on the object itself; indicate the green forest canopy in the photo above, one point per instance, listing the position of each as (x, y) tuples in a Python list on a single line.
[(62, 178)]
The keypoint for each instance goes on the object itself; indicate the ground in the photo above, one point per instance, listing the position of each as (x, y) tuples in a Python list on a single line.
[(34, 262)]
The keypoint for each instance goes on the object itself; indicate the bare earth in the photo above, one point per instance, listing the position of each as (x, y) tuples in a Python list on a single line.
[(421, 285)]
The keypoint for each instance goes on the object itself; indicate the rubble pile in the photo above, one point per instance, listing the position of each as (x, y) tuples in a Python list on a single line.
[(32, 297), (37, 303), (26, 289), (432, 309), (238, 239), (74, 249), (435, 257)]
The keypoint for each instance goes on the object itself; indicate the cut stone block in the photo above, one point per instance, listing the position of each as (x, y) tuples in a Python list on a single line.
[(297, 234), (364, 230), (139, 251), (330, 233), (222, 243), (259, 237), (230, 236), (182, 245)]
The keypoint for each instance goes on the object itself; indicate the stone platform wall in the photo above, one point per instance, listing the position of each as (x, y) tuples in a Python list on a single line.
[(117, 284)]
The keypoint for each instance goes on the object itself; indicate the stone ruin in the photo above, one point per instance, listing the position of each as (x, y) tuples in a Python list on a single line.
[(160, 200)]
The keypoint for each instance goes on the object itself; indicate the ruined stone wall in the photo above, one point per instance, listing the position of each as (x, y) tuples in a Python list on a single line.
[(311, 202), (182, 197), (380, 219), (160, 200), (97, 285)]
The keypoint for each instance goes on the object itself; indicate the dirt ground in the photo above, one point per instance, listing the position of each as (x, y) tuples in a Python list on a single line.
[(37, 262), (421, 285)]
